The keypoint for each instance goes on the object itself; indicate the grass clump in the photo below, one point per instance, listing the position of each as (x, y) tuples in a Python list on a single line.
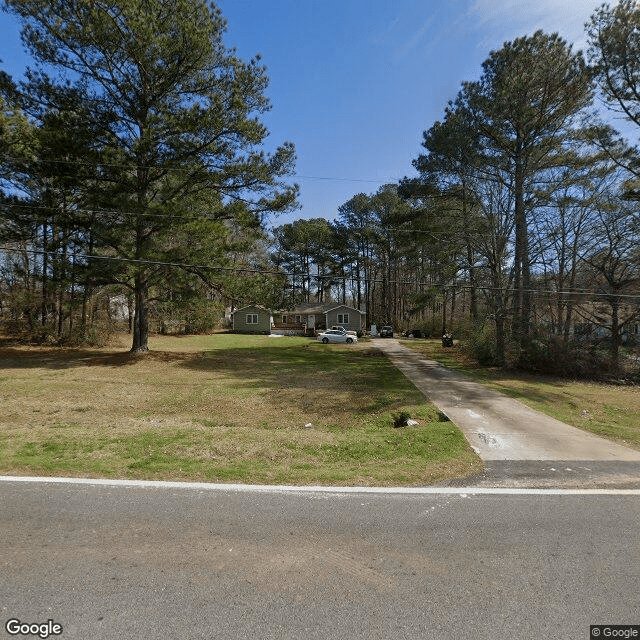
[(400, 419)]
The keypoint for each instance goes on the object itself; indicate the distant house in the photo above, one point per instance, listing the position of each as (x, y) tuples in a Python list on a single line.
[(311, 317), (252, 319), (119, 308), (593, 320)]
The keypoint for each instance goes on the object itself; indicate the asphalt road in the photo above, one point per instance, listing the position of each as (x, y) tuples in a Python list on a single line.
[(117, 561)]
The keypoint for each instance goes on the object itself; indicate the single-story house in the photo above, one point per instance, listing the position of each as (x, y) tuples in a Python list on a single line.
[(252, 319), (312, 317)]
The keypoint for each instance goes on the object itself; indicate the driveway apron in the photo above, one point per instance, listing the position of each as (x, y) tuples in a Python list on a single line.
[(496, 426)]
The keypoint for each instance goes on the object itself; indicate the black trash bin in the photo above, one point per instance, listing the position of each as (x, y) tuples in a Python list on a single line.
[(447, 340)]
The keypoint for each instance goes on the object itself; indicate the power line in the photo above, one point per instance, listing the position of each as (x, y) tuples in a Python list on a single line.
[(194, 217), (362, 231), (303, 276), (111, 165), (197, 216), (161, 263), (344, 179)]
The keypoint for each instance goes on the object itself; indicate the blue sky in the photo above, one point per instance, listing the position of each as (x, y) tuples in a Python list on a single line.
[(354, 83)]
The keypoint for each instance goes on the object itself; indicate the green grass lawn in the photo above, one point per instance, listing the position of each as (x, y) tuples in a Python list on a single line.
[(222, 408), (609, 411)]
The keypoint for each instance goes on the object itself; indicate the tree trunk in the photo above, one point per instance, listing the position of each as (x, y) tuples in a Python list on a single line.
[(473, 309), (572, 283), (87, 290), (62, 276), (358, 284), (130, 310), (43, 304), (615, 335), (452, 315), (473, 296), (500, 339), (444, 312), (140, 318), (522, 268)]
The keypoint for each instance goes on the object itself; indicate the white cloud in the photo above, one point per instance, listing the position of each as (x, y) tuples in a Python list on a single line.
[(502, 20)]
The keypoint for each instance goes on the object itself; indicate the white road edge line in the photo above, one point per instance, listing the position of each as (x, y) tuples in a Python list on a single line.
[(250, 488)]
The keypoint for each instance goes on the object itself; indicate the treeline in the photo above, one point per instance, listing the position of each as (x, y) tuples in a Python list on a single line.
[(133, 181), (521, 230), (132, 173)]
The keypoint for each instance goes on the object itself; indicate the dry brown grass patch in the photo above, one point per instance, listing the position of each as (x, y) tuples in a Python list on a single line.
[(219, 408)]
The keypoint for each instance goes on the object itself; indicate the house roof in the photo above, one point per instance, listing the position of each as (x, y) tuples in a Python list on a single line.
[(308, 308), (344, 306), (253, 306)]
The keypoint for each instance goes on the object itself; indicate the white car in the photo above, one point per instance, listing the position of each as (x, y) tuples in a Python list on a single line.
[(347, 331), (336, 335)]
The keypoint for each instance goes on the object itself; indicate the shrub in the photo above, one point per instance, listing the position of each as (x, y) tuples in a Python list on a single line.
[(202, 316), (483, 345), (551, 355), (191, 315)]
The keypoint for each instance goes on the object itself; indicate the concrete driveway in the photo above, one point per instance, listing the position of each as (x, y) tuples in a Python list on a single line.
[(500, 428)]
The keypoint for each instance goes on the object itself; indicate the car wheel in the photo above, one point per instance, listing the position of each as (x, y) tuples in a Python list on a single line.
[(349, 340), (325, 340)]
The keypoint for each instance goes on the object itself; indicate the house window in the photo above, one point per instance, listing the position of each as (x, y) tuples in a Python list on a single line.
[(284, 319), (252, 318), (298, 319), (343, 318)]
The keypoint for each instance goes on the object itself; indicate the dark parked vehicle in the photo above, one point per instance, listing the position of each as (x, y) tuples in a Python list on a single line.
[(386, 332)]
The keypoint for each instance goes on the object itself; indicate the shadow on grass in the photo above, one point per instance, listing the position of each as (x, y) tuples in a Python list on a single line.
[(17, 356), (536, 388), (317, 369), (531, 394), (462, 362), (276, 364), (354, 378), (59, 358)]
